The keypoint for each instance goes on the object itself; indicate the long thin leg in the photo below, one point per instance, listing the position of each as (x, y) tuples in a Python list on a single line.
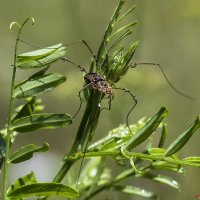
[(110, 95), (81, 68), (135, 103), (81, 100), (71, 43), (134, 65)]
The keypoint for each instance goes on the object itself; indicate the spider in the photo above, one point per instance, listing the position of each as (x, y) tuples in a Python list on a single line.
[(97, 82)]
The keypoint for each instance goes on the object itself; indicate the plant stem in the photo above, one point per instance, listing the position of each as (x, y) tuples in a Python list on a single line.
[(9, 131), (11, 107), (83, 137), (84, 134)]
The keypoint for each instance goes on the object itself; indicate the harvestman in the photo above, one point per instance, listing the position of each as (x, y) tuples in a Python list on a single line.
[(97, 82)]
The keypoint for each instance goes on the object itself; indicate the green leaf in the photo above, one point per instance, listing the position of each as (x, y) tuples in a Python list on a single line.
[(193, 160), (109, 31), (39, 73), (42, 58), (161, 179), (24, 180), (168, 166), (38, 85), (42, 189), (128, 189), (157, 152), (146, 131), (177, 144), (163, 136), (25, 110), (39, 53), (117, 136), (26, 152), (41, 121)]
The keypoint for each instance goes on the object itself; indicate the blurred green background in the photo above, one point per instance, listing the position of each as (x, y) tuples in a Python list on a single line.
[(168, 33)]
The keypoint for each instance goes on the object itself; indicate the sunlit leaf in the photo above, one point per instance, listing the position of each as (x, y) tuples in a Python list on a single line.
[(193, 160), (39, 53), (26, 152), (38, 85), (42, 189), (128, 189), (157, 152), (41, 121), (177, 144), (147, 130), (161, 179), (168, 166), (24, 180), (35, 60), (117, 136)]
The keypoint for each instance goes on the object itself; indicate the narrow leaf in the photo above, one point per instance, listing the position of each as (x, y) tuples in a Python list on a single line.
[(109, 31), (43, 61), (146, 131), (24, 180), (26, 152), (193, 160), (25, 110), (161, 179), (157, 152), (42, 189), (122, 29), (41, 121), (38, 85), (168, 166), (39, 73), (163, 136), (39, 53), (136, 191), (177, 144)]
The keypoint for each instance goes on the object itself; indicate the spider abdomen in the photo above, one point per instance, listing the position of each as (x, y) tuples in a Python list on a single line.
[(97, 83)]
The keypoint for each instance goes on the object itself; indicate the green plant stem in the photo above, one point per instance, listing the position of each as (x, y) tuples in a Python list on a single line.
[(11, 107), (9, 131), (68, 163), (84, 134), (108, 185)]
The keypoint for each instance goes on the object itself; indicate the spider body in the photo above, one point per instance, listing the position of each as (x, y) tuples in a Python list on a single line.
[(98, 83)]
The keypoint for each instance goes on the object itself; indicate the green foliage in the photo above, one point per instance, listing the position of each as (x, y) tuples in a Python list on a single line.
[(38, 85), (26, 152), (41, 57), (113, 62), (27, 186)]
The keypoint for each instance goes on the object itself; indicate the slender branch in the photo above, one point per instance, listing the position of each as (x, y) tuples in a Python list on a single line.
[(11, 107), (84, 135)]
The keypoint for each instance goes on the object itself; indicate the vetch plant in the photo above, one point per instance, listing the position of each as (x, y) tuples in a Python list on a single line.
[(108, 67)]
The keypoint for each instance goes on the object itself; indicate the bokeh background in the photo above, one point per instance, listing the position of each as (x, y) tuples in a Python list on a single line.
[(168, 33)]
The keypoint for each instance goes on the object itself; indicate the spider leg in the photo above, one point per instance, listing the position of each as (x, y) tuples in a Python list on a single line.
[(135, 103), (110, 97), (66, 59), (81, 99), (134, 65)]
